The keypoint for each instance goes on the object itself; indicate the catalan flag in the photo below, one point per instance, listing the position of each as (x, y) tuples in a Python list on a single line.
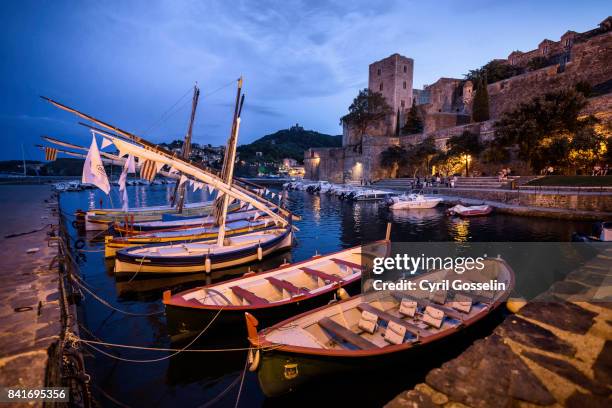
[(148, 170), (50, 153)]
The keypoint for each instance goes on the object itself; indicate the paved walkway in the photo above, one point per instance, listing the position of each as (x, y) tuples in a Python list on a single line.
[(29, 296), (554, 351)]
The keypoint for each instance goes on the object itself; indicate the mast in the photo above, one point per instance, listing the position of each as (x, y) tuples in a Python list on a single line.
[(178, 198), (25, 173), (227, 172)]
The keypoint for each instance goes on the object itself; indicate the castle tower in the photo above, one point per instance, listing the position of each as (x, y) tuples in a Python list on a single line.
[(392, 77)]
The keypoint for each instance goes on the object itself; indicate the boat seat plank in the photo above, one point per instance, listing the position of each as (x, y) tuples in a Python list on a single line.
[(322, 275), (424, 303), (347, 263), (248, 295), (346, 334), (288, 286), (412, 328)]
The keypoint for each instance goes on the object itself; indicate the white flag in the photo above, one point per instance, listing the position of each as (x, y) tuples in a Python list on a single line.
[(131, 163), (256, 215), (250, 207), (273, 195), (172, 170), (105, 143), (128, 167), (183, 179), (93, 169), (210, 189)]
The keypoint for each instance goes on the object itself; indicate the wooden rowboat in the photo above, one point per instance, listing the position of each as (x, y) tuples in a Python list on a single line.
[(100, 219), (181, 223), (272, 295), (471, 211), (202, 256), (114, 244), (371, 330)]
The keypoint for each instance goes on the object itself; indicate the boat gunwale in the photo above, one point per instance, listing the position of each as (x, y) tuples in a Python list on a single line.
[(261, 341), (293, 299)]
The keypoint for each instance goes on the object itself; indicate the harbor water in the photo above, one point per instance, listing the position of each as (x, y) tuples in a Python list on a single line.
[(203, 379)]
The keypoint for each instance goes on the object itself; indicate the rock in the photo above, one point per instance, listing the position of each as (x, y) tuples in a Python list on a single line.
[(581, 400), (411, 399), (568, 371), (561, 314), (602, 368), (532, 335)]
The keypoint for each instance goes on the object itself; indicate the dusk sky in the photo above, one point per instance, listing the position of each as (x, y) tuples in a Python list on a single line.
[(128, 62)]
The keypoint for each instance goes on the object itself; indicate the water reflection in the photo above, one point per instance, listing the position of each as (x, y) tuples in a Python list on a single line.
[(460, 229)]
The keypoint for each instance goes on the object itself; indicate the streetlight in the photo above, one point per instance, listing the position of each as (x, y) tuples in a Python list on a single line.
[(468, 158)]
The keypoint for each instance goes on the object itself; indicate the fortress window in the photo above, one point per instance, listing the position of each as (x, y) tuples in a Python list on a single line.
[(378, 71), (404, 84), (380, 88), (405, 68), (403, 100)]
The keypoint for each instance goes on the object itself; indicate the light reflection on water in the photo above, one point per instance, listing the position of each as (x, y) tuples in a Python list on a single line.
[(328, 224)]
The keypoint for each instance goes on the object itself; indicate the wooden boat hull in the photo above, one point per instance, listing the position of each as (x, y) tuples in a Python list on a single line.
[(126, 263), (98, 219), (112, 245), (281, 372), (185, 322)]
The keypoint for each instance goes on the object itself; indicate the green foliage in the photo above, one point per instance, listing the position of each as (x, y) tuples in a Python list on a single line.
[(480, 106), (549, 131), (287, 143), (584, 88), (494, 153), (537, 63), (393, 157), (465, 143), (413, 124), (493, 71), (367, 108)]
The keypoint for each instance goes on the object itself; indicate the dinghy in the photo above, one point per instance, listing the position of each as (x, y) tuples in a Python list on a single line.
[(113, 244), (201, 256), (271, 295), (413, 201), (372, 330), (471, 211)]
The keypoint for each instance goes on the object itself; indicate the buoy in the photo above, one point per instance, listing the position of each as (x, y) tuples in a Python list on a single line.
[(253, 359), (342, 294), (515, 304), (207, 265), (259, 253)]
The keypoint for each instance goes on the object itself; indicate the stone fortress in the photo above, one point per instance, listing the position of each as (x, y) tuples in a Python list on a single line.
[(445, 106)]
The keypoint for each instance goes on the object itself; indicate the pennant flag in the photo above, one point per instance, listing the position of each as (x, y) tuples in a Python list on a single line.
[(198, 186), (173, 170), (93, 169), (210, 189), (273, 195), (128, 167), (105, 143), (183, 179), (131, 164), (159, 166), (250, 207), (50, 153), (148, 170), (256, 215)]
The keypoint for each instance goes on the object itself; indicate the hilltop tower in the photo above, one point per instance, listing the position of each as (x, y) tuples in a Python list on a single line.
[(392, 77)]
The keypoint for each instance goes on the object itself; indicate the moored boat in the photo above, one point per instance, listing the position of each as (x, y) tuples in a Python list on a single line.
[(372, 330), (202, 256), (602, 232), (471, 211), (113, 244), (272, 295), (413, 201)]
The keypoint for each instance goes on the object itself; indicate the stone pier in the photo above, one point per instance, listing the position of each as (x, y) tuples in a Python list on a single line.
[(30, 317), (556, 351)]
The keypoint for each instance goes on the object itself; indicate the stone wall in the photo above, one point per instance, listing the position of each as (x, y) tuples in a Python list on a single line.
[(590, 61)]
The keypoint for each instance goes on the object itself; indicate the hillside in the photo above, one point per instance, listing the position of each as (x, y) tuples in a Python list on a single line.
[(286, 143)]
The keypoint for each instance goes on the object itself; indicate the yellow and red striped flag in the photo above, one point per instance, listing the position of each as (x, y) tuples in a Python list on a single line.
[(148, 170), (50, 153)]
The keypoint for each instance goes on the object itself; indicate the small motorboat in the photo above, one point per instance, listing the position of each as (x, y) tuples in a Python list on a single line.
[(471, 211), (602, 232), (113, 244), (413, 201), (201, 256), (272, 295), (373, 330)]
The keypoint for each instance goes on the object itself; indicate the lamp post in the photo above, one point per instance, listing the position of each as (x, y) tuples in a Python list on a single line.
[(468, 158)]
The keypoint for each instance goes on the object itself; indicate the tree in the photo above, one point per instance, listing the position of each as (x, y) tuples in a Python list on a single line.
[(367, 108), (548, 128), (537, 63), (393, 158), (464, 145), (493, 71), (413, 124), (480, 107)]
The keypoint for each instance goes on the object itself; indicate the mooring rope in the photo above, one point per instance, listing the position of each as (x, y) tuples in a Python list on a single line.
[(107, 304)]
